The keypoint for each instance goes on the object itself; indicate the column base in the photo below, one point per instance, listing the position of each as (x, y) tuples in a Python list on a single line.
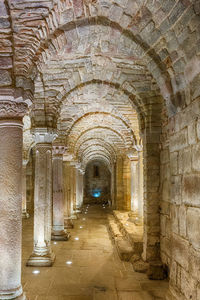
[(74, 216), (25, 215), (157, 271), (36, 260), (60, 236), (69, 224), (135, 218), (13, 294)]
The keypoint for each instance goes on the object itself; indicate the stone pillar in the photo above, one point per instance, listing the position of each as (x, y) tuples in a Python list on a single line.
[(151, 249), (134, 186), (140, 185), (113, 185), (58, 232), (73, 189), (42, 254), (11, 141), (25, 214), (79, 188), (67, 195), (119, 183), (126, 183)]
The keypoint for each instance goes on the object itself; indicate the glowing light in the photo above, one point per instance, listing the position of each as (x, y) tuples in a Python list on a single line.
[(55, 243), (83, 219), (81, 226), (36, 272), (126, 224), (96, 193), (69, 262), (76, 238)]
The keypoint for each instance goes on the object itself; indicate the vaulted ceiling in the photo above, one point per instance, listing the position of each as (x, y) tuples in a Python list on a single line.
[(98, 71)]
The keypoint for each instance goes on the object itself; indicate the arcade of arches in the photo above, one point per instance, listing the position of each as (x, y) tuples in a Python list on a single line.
[(100, 121)]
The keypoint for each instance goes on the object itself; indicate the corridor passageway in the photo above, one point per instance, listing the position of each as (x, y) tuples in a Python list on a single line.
[(95, 272)]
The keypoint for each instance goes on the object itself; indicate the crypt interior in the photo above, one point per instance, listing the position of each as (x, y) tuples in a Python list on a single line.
[(100, 149)]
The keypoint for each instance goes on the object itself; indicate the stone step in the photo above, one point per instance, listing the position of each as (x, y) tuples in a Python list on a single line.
[(114, 230), (124, 249), (131, 232), (123, 246)]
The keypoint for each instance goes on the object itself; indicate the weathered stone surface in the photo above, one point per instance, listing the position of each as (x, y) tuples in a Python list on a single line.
[(140, 266), (193, 225), (191, 190), (180, 251), (156, 271)]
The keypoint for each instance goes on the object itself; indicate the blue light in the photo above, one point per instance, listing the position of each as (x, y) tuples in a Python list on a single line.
[(96, 193)]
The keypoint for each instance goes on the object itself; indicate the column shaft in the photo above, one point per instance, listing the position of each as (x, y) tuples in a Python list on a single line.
[(58, 200), (67, 195), (42, 254), (24, 205), (134, 187), (11, 140)]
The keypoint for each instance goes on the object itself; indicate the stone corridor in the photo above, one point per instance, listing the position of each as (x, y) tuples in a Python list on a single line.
[(95, 272)]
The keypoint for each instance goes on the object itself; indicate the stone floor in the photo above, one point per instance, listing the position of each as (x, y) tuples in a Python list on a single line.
[(96, 272)]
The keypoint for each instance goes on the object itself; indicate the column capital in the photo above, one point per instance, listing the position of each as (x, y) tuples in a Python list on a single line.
[(82, 171), (139, 148), (132, 155), (44, 135), (58, 150), (10, 109)]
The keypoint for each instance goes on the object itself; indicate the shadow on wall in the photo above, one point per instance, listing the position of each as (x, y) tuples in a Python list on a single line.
[(97, 183)]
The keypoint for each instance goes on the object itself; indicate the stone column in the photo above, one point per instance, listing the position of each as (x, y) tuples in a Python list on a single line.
[(113, 185), (42, 254), (79, 187), (134, 187), (82, 172), (58, 232), (67, 195), (11, 141), (140, 185), (119, 186), (79, 183), (73, 189), (25, 214)]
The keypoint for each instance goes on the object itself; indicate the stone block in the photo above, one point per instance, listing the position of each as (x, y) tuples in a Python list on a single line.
[(196, 158), (157, 271), (193, 226), (182, 220), (198, 128), (5, 78), (184, 161), (165, 191), (176, 189), (174, 218), (174, 163), (180, 250), (194, 263), (188, 287), (140, 266), (178, 141), (192, 137), (191, 190), (124, 249)]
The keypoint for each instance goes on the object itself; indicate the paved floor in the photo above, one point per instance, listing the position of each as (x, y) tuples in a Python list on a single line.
[(95, 272)]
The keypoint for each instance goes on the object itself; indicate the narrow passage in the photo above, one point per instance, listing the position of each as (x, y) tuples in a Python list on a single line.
[(87, 267)]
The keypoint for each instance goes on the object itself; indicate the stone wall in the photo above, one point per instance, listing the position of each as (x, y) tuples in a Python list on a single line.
[(102, 182), (180, 205)]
